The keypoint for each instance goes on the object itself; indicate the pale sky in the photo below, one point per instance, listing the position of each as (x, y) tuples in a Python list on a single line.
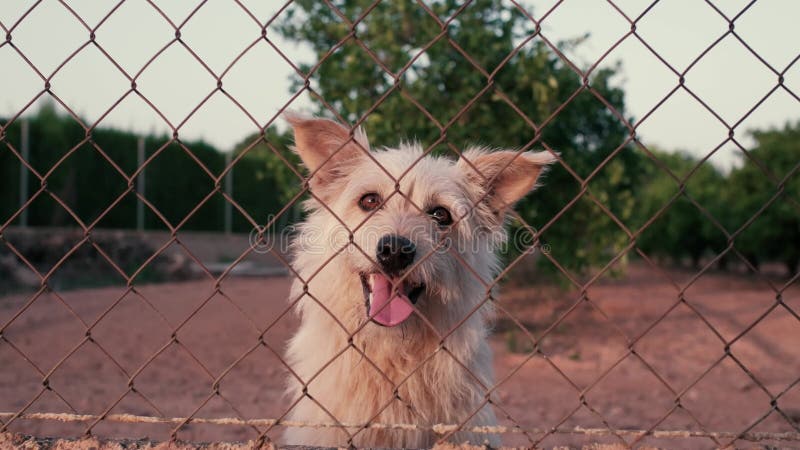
[(729, 78)]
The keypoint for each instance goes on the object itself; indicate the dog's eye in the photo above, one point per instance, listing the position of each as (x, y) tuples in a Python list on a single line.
[(369, 202), (441, 215)]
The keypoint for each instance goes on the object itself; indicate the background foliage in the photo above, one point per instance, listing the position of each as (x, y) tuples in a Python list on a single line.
[(176, 183), (706, 210)]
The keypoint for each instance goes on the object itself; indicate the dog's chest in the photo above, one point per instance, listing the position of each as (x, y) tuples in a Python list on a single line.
[(397, 387)]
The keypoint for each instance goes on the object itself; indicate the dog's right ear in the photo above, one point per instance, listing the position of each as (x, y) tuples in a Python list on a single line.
[(325, 147)]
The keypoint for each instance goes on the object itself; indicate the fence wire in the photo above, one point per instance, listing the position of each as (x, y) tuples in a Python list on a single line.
[(629, 438)]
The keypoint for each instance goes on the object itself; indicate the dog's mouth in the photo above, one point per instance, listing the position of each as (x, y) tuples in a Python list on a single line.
[(389, 301)]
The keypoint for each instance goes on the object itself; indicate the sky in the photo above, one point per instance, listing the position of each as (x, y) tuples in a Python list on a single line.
[(728, 78)]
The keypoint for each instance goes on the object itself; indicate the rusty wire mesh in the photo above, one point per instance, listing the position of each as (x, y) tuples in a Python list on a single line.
[(262, 427)]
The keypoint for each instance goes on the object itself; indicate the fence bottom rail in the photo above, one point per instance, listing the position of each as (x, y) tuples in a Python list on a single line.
[(442, 429)]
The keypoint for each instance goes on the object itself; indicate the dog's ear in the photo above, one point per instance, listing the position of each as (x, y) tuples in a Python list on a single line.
[(325, 146), (505, 176)]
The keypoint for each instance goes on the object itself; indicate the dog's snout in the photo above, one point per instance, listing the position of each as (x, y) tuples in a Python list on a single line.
[(395, 253)]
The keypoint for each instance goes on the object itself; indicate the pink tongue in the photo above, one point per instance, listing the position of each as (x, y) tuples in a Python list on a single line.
[(384, 308)]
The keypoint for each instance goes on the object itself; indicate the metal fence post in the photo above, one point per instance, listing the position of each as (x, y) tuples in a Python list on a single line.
[(23, 171), (140, 184)]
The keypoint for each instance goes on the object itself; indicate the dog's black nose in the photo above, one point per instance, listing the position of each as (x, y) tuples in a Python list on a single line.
[(395, 253)]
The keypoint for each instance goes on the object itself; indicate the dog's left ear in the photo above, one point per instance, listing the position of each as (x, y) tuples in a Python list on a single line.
[(505, 175), (325, 146)]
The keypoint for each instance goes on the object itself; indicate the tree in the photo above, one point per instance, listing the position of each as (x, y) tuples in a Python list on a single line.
[(774, 235), (444, 82), (683, 230)]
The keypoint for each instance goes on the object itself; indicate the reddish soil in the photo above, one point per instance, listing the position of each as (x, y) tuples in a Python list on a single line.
[(583, 353)]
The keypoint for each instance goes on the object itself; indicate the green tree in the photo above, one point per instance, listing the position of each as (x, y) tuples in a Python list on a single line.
[(774, 235), (450, 88), (682, 230)]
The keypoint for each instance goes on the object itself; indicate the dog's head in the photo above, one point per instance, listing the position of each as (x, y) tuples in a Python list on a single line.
[(393, 232)]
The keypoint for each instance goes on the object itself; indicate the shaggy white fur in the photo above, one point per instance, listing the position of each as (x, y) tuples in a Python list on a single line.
[(351, 370)]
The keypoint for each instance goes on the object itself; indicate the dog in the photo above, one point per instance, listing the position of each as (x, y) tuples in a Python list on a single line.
[(393, 264)]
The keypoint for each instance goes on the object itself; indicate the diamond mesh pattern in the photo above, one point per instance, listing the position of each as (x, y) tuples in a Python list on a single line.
[(133, 377)]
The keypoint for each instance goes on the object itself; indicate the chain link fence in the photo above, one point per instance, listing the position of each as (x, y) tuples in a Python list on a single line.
[(131, 410)]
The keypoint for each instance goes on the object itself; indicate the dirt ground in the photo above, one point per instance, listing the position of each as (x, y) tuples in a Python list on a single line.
[(584, 354)]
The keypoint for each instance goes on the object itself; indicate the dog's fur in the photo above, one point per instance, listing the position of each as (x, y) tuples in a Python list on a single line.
[(399, 374)]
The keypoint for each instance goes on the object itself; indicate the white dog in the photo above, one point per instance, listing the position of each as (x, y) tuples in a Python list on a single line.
[(394, 261)]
